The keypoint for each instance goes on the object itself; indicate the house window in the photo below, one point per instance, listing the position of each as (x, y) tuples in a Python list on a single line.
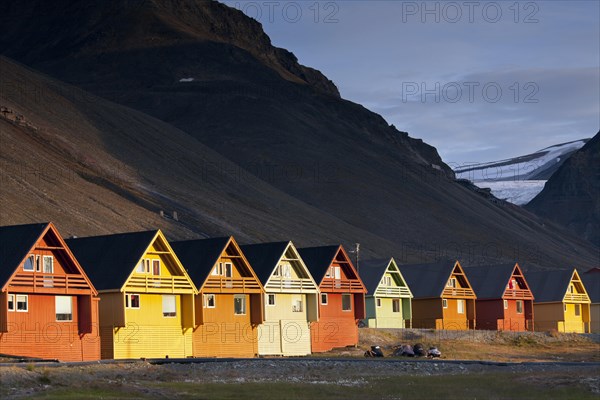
[(577, 310), (506, 304), (169, 304), (286, 271), (11, 302), (565, 307), (141, 268), (277, 269), (378, 301), (239, 304), (210, 301), (346, 302), (270, 299), (328, 273), (460, 306), (396, 305), (48, 264), (519, 306), (22, 303), (337, 273), (228, 270), (386, 281), (297, 305), (451, 282), (132, 301), (324, 298), (64, 308), (444, 303), (216, 270), (156, 267), (571, 288), (29, 263)]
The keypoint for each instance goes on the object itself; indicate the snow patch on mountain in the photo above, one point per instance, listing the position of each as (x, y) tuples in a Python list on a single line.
[(519, 179)]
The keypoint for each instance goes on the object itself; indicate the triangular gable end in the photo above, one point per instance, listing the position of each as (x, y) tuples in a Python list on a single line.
[(517, 273), (342, 256), (458, 270), (59, 245), (393, 269), (235, 251), (291, 255), (581, 295), (164, 248)]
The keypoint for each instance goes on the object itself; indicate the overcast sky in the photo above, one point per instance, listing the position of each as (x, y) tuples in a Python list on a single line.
[(480, 81)]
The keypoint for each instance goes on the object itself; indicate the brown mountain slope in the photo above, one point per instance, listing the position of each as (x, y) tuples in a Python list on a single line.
[(96, 167), (571, 196), (295, 136)]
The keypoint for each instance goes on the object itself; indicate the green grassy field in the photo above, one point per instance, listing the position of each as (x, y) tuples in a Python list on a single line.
[(471, 386)]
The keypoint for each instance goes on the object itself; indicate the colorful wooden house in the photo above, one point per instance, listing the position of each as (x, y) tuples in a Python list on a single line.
[(146, 297), (561, 301), (48, 306), (504, 301), (341, 299), (443, 297), (290, 301), (591, 280), (229, 305), (388, 299)]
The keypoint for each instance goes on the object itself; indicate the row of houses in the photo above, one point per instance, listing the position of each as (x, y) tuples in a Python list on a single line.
[(136, 295)]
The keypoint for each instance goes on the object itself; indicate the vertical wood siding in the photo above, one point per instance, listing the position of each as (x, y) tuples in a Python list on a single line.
[(36, 333)]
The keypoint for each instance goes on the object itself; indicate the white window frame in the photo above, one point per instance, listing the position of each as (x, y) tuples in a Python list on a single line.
[(228, 270), (243, 298), (378, 302), (207, 298), (26, 301), (337, 273), (32, 258), (141, 267), (394, 302), (324, 296), (167, 313), (520, 304), (277, 271), (129, 303), (286, 271), (11, 299), (155, 262), (51, 258), (297, 304), (451, 282), (444, 303), (506, 304), (460, 306), (269, 297), (346, 295), (70, 308), (216, 270)]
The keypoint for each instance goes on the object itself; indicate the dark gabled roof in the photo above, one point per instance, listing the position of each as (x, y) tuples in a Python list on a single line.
[(15, 243), (199, 256), (263, 258), (371, 272), (318, 259), (427, 280), (549, 286), (591, 281), (109, 260), (489, 281)]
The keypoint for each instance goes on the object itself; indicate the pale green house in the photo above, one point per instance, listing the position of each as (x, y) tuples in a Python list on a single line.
[(388, 300)]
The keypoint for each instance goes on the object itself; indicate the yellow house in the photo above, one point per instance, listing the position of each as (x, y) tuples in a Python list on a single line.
[(290, 302), (561, 301), (146, 296)]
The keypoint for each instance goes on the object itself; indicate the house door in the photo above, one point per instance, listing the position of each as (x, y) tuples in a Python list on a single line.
[(337, 275)]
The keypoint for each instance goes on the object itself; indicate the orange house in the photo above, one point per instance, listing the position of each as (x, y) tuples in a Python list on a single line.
[(229, 305), (48, 306), (504, 301), (443, 297), (342, 298)]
